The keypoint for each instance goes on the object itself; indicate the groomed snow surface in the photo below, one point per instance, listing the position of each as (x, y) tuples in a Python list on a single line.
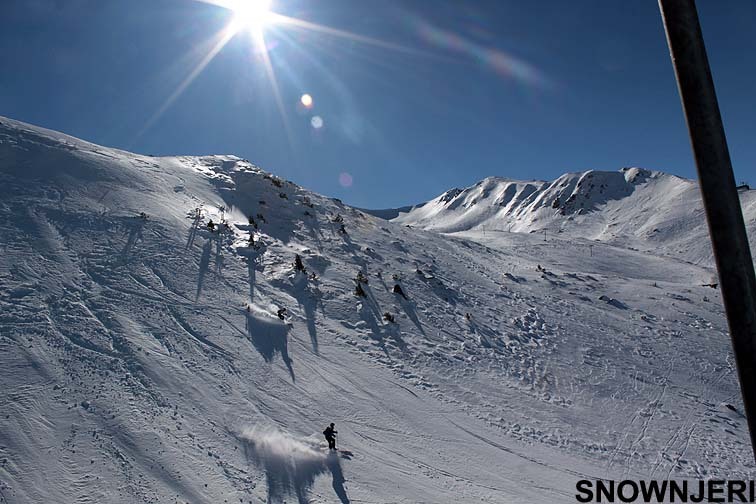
[(551, 332)]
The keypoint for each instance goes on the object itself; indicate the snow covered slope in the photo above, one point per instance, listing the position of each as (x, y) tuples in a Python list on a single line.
[(632, 207), (142, 359)]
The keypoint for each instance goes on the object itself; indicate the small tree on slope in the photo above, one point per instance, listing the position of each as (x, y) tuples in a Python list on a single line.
[(298, 265)]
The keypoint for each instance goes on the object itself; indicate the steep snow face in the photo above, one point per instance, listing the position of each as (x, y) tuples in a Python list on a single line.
[(632, 207), (148, 358)]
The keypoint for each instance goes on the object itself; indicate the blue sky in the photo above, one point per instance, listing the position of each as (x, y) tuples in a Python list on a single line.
[(430, 94)]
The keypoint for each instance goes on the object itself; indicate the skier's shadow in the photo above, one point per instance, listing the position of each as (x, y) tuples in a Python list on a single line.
[(346, 454), (334, 465), (289, 473)]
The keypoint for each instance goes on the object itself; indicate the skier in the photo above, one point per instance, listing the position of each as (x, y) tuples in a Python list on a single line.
[(211, 226), (330, 435)]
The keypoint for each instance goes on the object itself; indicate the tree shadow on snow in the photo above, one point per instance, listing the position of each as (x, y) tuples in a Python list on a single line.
[(441, 289), (396, 335), (252, 257), (203, 266), (193, 230), (135, 234), (308, 296), (485, 336), (409, 309), (252, 274), (371, 314), (218, 253), (351, 248), (613, 302), (315, 232), (270, 336), (291, 465), (618, 304), (309, 303)]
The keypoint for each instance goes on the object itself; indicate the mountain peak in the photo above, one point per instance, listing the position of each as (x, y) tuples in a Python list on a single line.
[(632, 206)]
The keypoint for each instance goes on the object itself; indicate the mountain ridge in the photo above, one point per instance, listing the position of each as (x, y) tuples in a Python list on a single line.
[(632, 207)]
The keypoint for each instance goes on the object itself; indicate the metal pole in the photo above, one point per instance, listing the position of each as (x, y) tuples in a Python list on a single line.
[(720, 198)]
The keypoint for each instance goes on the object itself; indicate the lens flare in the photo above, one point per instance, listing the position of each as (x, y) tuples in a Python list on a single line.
[(345, 179), (504, 64), (255, 17)]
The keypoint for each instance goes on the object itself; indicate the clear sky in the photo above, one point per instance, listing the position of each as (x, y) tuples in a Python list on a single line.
[(409, 97)]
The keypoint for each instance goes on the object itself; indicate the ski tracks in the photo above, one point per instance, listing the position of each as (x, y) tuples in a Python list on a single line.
[(646, 413), (686, 430)]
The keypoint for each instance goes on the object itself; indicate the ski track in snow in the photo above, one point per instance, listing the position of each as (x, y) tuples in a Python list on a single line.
[(142, 360)]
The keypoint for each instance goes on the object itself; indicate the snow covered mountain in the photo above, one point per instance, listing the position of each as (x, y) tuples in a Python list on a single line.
[(142, 358), (632, 207)]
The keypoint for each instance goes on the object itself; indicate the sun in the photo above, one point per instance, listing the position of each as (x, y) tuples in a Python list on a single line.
[(250, 15)]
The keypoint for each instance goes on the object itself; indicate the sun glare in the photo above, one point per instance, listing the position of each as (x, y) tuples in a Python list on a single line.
[(254, 17), (250, 15)]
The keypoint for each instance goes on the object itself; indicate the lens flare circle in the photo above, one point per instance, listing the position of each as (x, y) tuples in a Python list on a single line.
[(345, 179), (316, 122), (306, 100)]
